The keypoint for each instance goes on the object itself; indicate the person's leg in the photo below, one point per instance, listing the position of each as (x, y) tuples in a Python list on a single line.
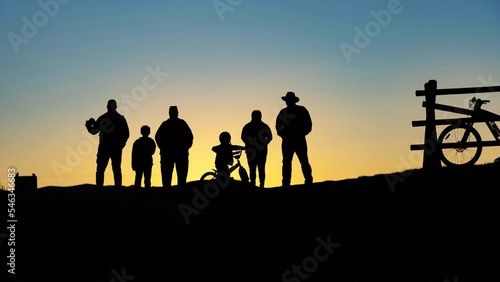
[(138, 179), (167, 168), (102, 162), (252, 167), (251, 154), (261, 164), (223, 175), (182, 166), (147, 179), (301, 150), (147, 176), (287, 150), (116, 164)]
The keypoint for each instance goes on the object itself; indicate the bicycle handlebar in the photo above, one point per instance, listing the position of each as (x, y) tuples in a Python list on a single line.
[(475, 100)]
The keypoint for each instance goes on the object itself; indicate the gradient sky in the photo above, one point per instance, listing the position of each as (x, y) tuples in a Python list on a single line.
[(223, 64)]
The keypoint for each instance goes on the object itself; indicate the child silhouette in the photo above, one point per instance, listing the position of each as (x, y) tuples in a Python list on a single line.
[(224, 152), (142, 158)]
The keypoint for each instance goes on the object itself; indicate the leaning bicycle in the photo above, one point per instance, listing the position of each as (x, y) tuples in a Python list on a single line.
[(461, 144)]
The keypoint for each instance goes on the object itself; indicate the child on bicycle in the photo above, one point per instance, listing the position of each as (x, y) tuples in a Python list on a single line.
[(224, 152)]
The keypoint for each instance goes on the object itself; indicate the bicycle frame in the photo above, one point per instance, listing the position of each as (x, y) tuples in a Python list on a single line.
[(480, 115), (461, 144), (242, 172), (234, 167), (477, 115), (492, 126)]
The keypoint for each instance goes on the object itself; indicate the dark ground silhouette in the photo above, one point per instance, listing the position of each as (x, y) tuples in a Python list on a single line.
[(431, 228)]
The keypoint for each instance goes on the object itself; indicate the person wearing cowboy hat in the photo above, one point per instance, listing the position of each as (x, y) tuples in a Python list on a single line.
[(293, 124)]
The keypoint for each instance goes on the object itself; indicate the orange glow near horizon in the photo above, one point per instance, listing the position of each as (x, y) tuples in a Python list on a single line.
[(336, 151), (150, 55)]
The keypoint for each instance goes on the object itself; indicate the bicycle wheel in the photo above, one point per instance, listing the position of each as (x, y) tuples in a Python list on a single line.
[(208, 176), (460, 156)]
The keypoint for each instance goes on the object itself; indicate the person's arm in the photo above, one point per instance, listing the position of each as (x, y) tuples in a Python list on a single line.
[(134, 158), (244, 135), (307, 122), (152, 147), (268, 134), (126, 131), (280, 126), (159, 136), (93, 125), (189, 135), (237, 147)]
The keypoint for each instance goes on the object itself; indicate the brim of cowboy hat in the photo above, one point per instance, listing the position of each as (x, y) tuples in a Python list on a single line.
[(295, 99)]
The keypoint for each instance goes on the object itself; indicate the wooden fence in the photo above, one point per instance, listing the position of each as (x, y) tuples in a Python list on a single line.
[(431, 147)]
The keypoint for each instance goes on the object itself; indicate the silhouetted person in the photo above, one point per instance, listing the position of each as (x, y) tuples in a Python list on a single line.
[(256, 135), (113, 135), (174, 138), (224, 153), (292, 125), (142, 159)]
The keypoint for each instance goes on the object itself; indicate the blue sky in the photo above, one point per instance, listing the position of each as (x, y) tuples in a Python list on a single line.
[(223, 65)]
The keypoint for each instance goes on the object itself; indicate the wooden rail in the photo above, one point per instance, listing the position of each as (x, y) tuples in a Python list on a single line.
[(431, 146), (454, 91)]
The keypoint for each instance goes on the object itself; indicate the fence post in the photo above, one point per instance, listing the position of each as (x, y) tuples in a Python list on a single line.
[(432, 150)]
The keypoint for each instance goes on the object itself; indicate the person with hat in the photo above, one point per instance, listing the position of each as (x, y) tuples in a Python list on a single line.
[(293, 124), (174, 138)]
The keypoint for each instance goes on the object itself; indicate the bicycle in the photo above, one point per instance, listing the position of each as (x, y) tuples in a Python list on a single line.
[(461, 144), (212, 175)]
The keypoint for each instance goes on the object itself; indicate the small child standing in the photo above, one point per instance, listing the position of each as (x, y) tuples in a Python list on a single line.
[(224, 152), (142, 159)]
